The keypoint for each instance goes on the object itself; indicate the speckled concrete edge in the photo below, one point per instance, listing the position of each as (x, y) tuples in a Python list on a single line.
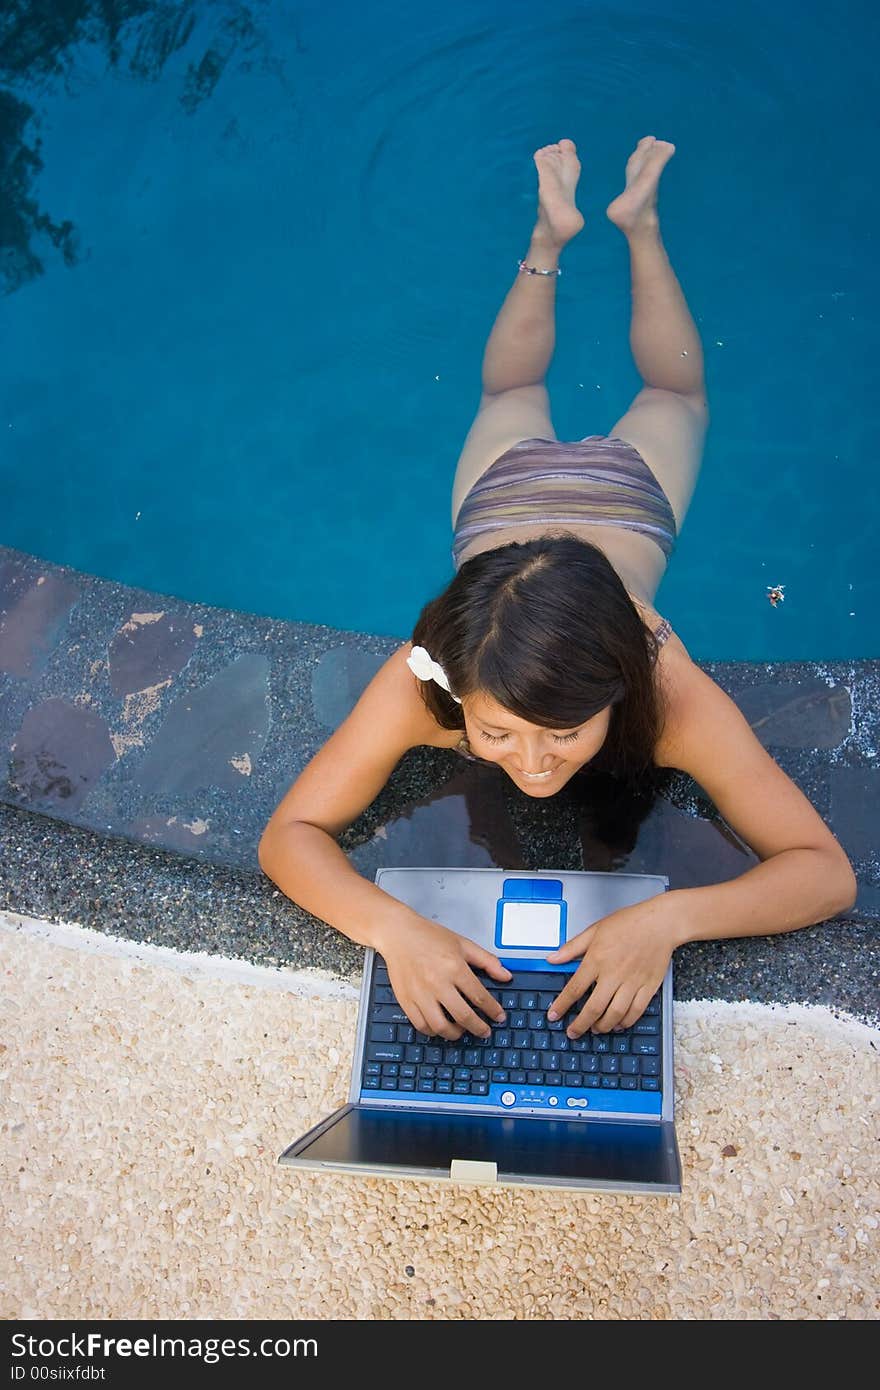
[(196, 965)]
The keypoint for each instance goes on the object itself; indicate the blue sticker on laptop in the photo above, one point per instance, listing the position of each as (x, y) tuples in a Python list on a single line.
[(531, 914)]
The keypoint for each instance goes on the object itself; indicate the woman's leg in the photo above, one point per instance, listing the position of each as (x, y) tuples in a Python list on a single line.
[(667, 420), (514, 403)]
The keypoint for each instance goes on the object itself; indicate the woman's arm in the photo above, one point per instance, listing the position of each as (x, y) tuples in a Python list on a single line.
[(431, 967), (298, 848), (804, 877)]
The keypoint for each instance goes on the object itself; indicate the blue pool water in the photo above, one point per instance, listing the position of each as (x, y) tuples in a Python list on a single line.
[(252, 256)]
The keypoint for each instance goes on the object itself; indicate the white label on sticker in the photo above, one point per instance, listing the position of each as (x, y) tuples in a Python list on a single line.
[(531, 924)]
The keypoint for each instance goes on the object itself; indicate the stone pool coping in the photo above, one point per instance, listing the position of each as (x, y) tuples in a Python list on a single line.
[(149, 739)]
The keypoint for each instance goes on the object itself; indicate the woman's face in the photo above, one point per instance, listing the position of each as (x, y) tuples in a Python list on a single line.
[(538, 760)]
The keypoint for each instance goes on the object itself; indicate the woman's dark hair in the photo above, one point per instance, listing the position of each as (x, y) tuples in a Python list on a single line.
[(547, 629)]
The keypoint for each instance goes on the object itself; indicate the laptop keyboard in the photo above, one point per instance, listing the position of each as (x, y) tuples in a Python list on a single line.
[(527, 1050)]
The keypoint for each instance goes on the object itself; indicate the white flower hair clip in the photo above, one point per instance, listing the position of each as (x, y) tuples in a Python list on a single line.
[(422, 665)]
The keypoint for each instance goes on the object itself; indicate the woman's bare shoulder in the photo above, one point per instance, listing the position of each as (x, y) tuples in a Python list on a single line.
[(682, 687), (408, 705)]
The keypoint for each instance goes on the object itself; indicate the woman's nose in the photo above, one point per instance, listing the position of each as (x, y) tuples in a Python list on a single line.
[(532, 757)]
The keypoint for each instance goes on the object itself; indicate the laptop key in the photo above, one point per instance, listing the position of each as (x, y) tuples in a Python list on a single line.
[(389, 1013), (552, 1079), (629, 1083), (645, 1047), (461, 1088), (518, 1077), (650, 1066), (538, 1020), (471, 1057), (382, 1033), (405, 1034), (535, 1078), (444, 1086), (610, 1065), (384, 1052), (413, 1053), (479, 1088), (537, 981), (406, 1083), (620, 1044), (528, 1000), (373, 1068), (630, 1065), (500, 1074), (434, 1054), (407, 1069), (372, 1083), (383, 994), (444, 1073), (480, 1074), (610, 1083), (650, 1083)]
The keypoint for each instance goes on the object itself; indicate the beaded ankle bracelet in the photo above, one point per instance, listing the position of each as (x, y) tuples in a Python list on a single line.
[(533, 271)]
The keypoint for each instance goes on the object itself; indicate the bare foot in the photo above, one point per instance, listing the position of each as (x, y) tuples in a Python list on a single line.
[(635, 208), (558, 172)]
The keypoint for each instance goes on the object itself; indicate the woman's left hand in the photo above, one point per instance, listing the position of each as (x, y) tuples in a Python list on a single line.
[(625, 955)]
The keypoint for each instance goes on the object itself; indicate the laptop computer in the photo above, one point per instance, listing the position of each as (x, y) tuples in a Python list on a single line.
[(528, 1106)]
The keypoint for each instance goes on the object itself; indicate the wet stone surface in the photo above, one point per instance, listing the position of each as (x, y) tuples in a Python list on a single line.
[(32, 610), (149, 648), (806, 715), (147, 744)]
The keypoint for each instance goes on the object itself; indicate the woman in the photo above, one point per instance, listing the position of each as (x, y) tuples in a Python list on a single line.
[(545, 654)]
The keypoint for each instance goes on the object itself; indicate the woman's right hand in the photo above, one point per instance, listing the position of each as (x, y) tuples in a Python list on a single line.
[(430, 971)]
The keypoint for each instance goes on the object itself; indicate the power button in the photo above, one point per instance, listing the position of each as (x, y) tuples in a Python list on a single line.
[(508, 1098)]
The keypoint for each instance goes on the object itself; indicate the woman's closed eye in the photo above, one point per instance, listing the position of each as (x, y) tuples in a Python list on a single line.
[(558, 738)]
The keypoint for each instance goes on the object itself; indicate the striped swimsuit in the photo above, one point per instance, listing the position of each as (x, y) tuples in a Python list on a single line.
[(596, 481)]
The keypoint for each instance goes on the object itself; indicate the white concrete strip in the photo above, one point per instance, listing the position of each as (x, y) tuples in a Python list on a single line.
[(196, 965)]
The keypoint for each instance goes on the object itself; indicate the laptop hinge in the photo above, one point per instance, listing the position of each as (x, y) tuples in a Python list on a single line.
[(472, 1170)]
